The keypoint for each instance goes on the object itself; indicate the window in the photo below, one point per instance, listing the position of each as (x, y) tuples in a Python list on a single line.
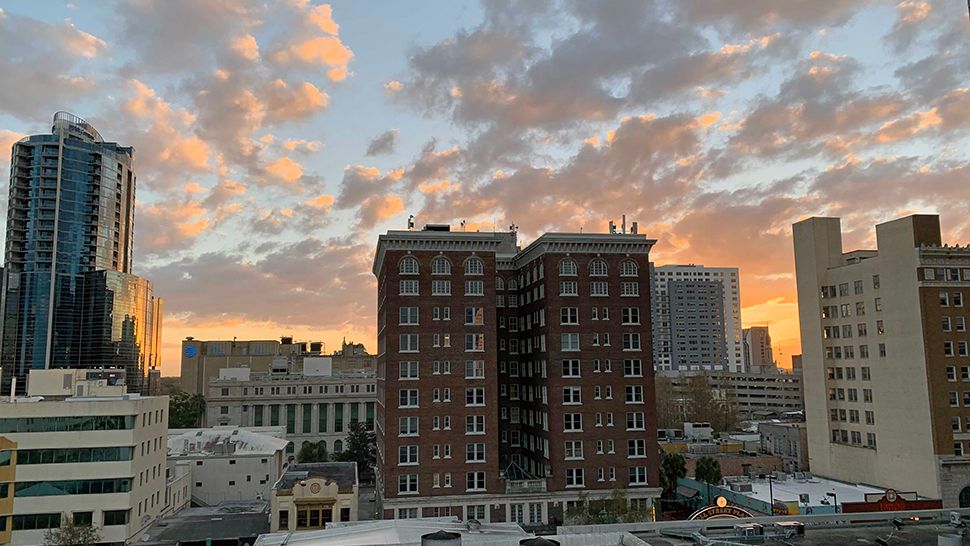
[(408, 266), (574, 450), (474, 266), (958, 299), (632, 368), (573, 422), (408, 398), (860, 308), (574, 477), (408, 343), (944, 299), (475, 396), (407, 484), (858, 286), (630, 315), (866, 373), (634, 394), (440, 288), (636, 449), (882, 349), (961, 324), (475, 453), (409, 287), (597, 268), (861, 330), (948, 348), (474, 369), (115, 517), (628, 268), (475, 424), (568, 288), (475, 481), (474, 316), (629, 289), (408, 426), (844, 289), (635, 420), (631, 342), (402, 513), (407, 455), (474, 342), (474, 288), (878, 304), (569, 315), (440, 266), (572, 395), (961, 348), (499, 284), (408, 316), (880, 327), (845, 310), (567, 268), (570, 342), (570, 368)]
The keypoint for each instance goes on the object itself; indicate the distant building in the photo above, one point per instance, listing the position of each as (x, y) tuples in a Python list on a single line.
[(72, 203), (202, 360), (788, 441), (314, 402), (313, 495), (696, 318), (97, 458), (227, 523), (796, 364), (886, 360), (229, 463), (758, 356), (754, 395)]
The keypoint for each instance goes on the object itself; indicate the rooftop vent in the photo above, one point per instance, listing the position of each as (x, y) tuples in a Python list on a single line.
[(441, 538), (437, 227)]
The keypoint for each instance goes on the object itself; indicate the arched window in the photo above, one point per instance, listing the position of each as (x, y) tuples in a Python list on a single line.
[(474, 266), (513, 285), (338, 446), (597, 268), (567, 267), (408, 266), (628, 268), (499, 283), (441, 266)]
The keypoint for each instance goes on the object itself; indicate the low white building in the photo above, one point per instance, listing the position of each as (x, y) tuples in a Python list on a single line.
[(313, 495), (229, 463), (97, 458)]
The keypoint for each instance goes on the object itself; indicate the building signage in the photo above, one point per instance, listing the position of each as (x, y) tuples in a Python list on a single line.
[(721, 510), (891, 501)]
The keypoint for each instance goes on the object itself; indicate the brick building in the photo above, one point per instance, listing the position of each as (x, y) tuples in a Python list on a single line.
[(512, 380)]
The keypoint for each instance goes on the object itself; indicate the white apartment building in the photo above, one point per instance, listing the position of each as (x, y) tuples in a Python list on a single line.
[(313, 402), (97, 458), (228, 463), (885, 356), (673, 321)]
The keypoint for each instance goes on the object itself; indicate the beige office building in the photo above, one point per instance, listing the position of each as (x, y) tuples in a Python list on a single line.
[(885, 356)]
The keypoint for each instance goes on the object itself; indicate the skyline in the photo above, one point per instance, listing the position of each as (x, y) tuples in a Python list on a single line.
[(272, 160)]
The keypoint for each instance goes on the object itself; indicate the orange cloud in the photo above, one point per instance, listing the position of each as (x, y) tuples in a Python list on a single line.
[(322, 17), (246, 47), (285, 169), (7, 138), (323, 51), (707, 120), (285, 104)]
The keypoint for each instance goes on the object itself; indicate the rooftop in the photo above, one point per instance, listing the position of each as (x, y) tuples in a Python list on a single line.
[(227, 520), (401, 532), (225, 440), (343, 473), (815, 487)]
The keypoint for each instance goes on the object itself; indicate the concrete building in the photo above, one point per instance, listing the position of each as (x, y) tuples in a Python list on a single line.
[(229, 523), (758, 356), (98, 458), (72, 203), (228, 463), (788, 441), (313, 495), (697, 318), (885, 358), (512, 380), (314, 402), (754, 395), (202, 360)]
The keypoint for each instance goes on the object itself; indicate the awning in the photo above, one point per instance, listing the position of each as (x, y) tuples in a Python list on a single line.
[(688, 492)]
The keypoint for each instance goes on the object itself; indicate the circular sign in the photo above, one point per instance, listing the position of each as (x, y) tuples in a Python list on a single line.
[(314, 488), (721, 502), (190, 351), (722, 510), (891, 495)]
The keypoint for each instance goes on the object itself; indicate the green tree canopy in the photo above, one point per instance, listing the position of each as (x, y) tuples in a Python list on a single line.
[(708, 470), (615, 509), (360, 447), (313, 452), (673, 466), (185, 410)]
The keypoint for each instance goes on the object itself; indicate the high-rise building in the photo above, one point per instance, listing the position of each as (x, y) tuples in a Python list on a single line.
[(758, 356), (512, 380), (884, 356), (696, 318), (68, 298)]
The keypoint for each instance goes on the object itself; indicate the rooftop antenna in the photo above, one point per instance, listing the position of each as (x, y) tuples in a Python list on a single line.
[(634, 228), (463, 225), (513, 227), (410, 222), (624, 224), (612, 227)]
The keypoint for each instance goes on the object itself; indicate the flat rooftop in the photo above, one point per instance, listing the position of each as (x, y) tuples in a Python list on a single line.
[(229, 520), (815, 487)]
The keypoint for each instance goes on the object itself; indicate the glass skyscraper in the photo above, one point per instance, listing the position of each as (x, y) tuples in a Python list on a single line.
[(69, 299)]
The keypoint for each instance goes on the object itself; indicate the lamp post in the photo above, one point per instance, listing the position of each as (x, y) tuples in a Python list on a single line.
[(835, 499), (771, 494)]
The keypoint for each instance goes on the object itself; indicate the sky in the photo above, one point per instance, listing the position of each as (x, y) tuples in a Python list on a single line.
[(275, 140)]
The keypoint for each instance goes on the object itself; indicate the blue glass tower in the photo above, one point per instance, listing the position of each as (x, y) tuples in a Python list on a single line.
[(69, 218)]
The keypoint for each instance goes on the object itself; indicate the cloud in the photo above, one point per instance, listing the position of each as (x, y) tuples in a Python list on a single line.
[(246, 47), (285, 170), (383, 143), (314, 43), (286, 104)]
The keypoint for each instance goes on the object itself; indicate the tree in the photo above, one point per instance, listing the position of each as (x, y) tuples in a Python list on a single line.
[(313, 452), (706, 404), (615, 509), (71, 534), (673, 466), (185, 410), (361, 447), (708, 470)]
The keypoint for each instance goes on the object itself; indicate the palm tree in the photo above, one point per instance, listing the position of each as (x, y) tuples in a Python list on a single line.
[(708, 471), (672, 468), (313, 452)]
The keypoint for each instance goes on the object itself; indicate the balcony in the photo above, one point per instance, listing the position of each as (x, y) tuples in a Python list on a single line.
[(525, 486)]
